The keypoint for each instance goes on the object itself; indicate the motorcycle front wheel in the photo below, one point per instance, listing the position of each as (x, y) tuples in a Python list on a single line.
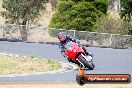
[(86, 63)]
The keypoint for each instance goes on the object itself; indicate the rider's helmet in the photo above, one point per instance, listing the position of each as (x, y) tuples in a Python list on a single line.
[(61, 36)]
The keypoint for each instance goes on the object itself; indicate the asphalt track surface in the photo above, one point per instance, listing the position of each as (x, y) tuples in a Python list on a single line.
[(107, 61)]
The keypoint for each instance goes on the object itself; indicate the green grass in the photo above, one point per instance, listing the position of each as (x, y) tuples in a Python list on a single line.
[(18, 65)]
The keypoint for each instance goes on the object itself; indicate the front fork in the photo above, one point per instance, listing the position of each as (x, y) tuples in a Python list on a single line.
[(89, 59), (81, 63)]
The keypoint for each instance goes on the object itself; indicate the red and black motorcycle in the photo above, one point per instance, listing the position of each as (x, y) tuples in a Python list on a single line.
[(77, 54)]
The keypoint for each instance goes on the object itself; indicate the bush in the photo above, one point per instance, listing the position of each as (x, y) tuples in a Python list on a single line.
[(109, 24)]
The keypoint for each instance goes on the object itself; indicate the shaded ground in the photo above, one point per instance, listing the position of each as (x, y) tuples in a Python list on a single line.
[(65, 85)]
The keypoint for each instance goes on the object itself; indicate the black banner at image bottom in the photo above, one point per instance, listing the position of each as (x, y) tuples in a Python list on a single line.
[(103, 78)]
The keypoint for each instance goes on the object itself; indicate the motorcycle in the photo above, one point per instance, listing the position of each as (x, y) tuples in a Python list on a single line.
[(77, 54)]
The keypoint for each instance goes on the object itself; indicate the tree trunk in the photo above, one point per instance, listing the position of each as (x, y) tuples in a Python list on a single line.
[(24, 31)]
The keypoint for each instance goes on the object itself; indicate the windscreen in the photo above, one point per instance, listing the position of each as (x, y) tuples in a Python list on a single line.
[(69, 45)]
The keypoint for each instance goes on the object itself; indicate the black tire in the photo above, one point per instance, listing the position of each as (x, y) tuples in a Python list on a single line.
[(81, 80), (86, 63), (93, 64)]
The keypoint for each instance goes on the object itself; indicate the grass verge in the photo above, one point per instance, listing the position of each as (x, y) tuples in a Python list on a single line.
[(18, 65)]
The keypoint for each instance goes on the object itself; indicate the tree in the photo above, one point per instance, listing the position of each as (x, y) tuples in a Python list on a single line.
[(22, 11), (78, 14), (101, 5), (126, 12), (53, 4)]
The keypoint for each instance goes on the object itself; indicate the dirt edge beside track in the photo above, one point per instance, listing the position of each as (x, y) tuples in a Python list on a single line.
[(62, 85)]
